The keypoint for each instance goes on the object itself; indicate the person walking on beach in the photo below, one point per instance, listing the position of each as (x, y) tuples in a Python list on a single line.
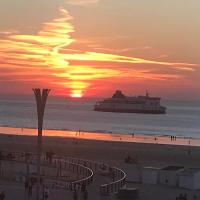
[(51, 156), (45, 193), (83, 187), (194, 197), (26, 187), (2, 195), (75, 195), (85, 195), (185, 196), (29, 189)]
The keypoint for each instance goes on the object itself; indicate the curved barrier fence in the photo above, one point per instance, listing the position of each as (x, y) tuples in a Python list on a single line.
[(84, 168), (119, 181), (117, 174), (93, 165), (60, 163)]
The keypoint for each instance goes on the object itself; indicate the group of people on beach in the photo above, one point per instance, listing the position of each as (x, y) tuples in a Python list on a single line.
[(45, 192), (28, 185), (78, 133), (182, 197), (131, 160), (173, 138), (28, 190), (185, 197), (84, 193), (75, 139), (49, 156)]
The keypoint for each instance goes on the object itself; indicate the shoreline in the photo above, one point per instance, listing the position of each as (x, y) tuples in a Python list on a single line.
[(114, 137)]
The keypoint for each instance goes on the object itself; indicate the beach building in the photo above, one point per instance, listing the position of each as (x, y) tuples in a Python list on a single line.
[(170, 175), (134, 174), (190, 179), (150, 175)]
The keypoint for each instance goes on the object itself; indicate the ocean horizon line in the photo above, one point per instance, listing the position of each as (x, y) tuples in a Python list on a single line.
[(31, 96)]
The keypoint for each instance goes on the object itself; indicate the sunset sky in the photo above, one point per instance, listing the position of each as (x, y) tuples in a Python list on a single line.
[(93, 47)]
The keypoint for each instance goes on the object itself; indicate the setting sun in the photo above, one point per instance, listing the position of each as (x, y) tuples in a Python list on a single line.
[(76, 94)]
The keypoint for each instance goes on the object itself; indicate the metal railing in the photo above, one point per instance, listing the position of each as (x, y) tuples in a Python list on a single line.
[(117, 174), (93, 165), (119, 181), (79, 169), (82, 167), (60, 163)]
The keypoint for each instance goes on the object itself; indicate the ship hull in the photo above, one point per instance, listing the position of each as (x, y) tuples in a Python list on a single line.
[(161, 111)]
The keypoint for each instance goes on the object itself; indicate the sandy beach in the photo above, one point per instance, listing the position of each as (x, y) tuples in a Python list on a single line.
[(105, 136), (114, 153)]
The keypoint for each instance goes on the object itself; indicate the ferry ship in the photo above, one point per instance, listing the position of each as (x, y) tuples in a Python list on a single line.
[(136, 104)]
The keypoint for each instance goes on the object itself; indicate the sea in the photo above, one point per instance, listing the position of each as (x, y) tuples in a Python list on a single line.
[(182, 118)]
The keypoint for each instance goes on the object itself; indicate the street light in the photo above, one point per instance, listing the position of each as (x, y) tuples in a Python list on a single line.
[(41, 99)]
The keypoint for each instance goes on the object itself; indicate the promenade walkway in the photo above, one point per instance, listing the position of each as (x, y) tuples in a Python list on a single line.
[(16, 191), (60, 186)]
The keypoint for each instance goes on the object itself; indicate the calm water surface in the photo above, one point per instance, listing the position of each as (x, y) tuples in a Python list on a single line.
[(182, 118)]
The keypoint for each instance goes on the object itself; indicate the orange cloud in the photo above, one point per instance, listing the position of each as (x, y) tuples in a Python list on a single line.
[(46, 57), (94, 56)]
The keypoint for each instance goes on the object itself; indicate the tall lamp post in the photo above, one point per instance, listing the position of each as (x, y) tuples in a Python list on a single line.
[(41, 98)]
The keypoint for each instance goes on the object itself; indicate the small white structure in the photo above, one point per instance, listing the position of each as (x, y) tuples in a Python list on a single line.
[(170, 175), (190, 179), (150, 175), (134, 174)]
